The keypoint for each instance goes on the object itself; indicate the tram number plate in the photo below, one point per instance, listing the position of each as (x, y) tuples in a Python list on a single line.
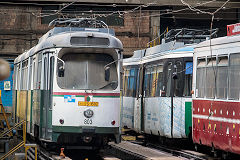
[(81, 103), (87, 121)]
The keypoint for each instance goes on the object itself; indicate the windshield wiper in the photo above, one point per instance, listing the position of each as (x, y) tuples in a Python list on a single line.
[(110, 63), (113, 85)]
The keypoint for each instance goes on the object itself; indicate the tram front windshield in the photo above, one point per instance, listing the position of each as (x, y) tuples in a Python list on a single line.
[(87, 72)]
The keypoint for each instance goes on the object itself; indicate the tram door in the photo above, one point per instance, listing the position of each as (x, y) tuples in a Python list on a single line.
[(33, 119), (174, 91), (48, 63), (138, 106)]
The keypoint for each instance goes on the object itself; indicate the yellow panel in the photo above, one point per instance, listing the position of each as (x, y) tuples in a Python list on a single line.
[(22, 104), (29, 106), (18, 105)]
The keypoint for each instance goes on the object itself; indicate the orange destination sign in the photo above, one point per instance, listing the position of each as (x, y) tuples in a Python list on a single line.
[(81, 103)]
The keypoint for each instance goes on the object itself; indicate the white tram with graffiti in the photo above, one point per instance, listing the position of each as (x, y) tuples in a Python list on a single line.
[(150, 109), (157, 86), (67, 87)]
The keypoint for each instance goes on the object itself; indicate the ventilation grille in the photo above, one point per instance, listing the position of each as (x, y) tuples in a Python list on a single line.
[(89, 41)]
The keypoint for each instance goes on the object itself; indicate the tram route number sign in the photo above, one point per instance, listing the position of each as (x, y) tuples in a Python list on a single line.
[(85, 103)]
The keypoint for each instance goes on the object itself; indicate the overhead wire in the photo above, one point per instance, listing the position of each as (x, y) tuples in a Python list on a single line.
[(98, 15), (57, 12), (121, 13)]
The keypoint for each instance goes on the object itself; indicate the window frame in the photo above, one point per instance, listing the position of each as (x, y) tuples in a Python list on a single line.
[(201, 64), (229, 67), (218, 69), (211, 62)]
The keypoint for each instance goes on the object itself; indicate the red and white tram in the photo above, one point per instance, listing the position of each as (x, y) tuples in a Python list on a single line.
[(216, 98)]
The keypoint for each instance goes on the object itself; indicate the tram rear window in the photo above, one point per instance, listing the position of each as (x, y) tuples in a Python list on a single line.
[(86, 71)]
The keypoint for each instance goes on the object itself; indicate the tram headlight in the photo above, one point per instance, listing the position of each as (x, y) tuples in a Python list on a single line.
[(61, 121), (88, 113), (113, 122)]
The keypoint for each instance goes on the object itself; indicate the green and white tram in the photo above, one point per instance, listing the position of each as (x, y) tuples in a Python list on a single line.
[(67, 87)]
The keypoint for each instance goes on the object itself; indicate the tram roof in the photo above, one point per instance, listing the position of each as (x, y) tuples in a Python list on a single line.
[(171, 49), (137, 55), (182, 51), (219, 41), (74, 37)]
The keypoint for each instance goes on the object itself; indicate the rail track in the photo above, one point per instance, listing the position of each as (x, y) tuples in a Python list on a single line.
[(185, 154)]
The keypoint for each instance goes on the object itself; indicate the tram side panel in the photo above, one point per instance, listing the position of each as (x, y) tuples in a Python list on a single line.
[(35, 113), (20, 92), (30, 95), (129, 98), (157, 101)]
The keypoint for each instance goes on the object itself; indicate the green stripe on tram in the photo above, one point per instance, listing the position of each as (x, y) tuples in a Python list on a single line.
[(188, 117), (79, 96), (107, 96)]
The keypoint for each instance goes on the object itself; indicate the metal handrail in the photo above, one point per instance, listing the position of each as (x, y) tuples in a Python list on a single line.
[(157, 40), (11, 129), (22, 143), (12, 150)]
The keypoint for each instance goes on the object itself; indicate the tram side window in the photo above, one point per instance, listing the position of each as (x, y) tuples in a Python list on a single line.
[(211, 73), (159, 82), (153, 84), (178, 81), (222, 74), (147, 82), (51, 70), (169, 79), (24, 75), (201, 78), (39, 68), (30, 74), (33, 75), (132, 83), (234, 76), (45, 74), (19, 76), (14, 77), (135, 82), (188, 79), (126, 74)]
